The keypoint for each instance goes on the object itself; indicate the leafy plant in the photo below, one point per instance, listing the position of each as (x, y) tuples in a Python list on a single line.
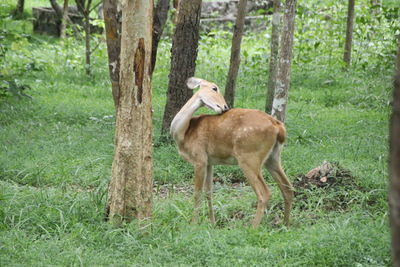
[(13, 87)]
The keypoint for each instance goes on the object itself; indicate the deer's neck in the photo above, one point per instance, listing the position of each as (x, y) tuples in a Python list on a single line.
[(181, 121)]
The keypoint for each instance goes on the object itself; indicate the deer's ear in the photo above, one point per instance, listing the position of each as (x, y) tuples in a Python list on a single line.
[(193, 82)]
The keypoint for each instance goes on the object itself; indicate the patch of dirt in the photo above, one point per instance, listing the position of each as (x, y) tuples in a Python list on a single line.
[(163, 191), (328, 186), (326, 175)]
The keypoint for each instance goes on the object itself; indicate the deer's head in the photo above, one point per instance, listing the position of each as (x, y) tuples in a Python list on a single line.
[(209, 94)]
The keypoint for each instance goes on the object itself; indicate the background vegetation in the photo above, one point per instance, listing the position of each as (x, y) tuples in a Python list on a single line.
[(57, 147)]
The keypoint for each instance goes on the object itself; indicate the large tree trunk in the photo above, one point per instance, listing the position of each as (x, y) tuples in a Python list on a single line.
[(349, 33), (63, 26), (285, 62), (112, 19), (159, 20), (235, 54), (183, 59), (131, 183), (394, 167), (273, 62)]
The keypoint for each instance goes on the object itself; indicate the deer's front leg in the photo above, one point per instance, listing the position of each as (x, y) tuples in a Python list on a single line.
[(199, 175)]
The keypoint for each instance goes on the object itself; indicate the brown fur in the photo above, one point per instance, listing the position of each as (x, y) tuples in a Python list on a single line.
[(245, 137)]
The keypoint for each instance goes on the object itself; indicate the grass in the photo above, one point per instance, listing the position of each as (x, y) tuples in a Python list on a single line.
[(56, 154)]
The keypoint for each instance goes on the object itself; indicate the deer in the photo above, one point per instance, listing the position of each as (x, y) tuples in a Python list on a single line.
[(249, 138)]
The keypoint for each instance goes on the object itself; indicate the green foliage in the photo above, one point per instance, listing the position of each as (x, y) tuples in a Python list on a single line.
[(16, 60), (56, 153)]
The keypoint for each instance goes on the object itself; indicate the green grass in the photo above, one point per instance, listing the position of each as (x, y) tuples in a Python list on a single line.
[(56, 151)]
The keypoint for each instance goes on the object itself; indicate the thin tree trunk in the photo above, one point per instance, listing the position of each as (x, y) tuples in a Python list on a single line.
[(63, 25), (131, 185), (349, 33), (394, 167), (19, 10), (159, 20), (273, 63), (59, 13), (183, 59), (235, 54), (112, 19), (56, 7), (84, 8), (87, 43), (285, 62)]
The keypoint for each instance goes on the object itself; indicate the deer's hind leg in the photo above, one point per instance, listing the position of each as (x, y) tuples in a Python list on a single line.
[(274, 167), (252, 171)]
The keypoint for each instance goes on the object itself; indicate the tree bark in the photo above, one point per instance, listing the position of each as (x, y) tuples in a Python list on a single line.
[(159, 20), (84, 8), (349, 33), (285, 62), (87, 44), (183, 59), (19, 10), (63, 25), (57, 8), (235, 54), (394, 167), (273, 63), (175, 4), (112, 19), (131, 183)]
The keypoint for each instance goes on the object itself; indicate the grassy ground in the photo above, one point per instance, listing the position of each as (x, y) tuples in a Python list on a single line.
[(57, 148)]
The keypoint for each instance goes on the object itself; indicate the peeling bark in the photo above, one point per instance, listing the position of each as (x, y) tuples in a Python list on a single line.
[(349, 33), (273, 63), (139, 68), (285, 62), (235, 54), (183, 59), (130, 189), (394, 167)]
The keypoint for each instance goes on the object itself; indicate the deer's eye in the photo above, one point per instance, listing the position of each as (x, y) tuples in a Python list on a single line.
[(215, 89)]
